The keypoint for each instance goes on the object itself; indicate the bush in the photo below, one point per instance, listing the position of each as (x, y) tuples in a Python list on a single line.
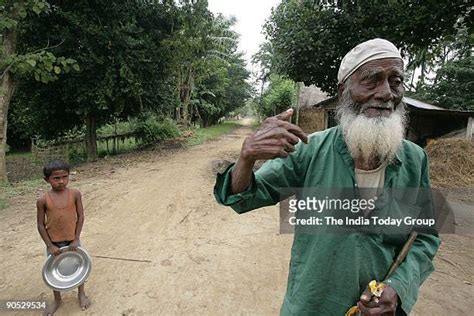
[(151, 130), (118, 127)]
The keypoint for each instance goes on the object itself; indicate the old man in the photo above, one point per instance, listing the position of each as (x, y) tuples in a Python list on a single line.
[(329, 272)]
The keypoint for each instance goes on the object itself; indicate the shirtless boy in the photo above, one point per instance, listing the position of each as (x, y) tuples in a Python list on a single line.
[(60, 219)]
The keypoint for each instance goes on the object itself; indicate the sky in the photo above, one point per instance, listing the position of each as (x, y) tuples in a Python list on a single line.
[(251, 15)]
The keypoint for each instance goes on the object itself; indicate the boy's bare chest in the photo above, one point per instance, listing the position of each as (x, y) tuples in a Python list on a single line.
[(61, 200)]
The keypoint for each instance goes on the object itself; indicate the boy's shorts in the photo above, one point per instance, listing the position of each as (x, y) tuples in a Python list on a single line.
[(61, 244)]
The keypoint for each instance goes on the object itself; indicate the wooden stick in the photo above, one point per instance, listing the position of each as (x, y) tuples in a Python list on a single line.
[(402, 255), (354, 311), (124, 259)]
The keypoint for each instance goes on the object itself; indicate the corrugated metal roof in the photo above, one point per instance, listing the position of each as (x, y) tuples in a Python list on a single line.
[(422, 105)]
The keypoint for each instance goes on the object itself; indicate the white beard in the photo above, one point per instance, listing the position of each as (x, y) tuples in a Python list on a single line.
[(372, 138)]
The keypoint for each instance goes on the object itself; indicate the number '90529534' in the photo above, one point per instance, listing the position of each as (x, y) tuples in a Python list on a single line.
[(22, 305)]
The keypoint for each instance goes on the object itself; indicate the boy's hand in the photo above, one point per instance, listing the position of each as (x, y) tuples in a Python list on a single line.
[(54, 250), (73, 245)]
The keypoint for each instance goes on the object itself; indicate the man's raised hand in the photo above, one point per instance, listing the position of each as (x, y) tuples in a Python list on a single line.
[(275, 139)]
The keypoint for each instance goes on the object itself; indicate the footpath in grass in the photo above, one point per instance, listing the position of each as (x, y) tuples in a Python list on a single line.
[(200, 135)]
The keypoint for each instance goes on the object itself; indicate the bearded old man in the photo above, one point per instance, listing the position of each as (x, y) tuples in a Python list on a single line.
[(329, 272)]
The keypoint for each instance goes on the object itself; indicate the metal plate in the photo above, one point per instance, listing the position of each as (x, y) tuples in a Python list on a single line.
[(67, 270)]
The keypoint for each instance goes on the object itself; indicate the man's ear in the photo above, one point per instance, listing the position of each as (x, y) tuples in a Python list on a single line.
[(340, 89)]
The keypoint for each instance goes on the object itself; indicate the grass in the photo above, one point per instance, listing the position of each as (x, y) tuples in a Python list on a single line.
[(8, 191), (20, 154), (203, 134)]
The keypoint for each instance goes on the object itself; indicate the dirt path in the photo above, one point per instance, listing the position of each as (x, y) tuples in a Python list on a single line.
[(195, 257)]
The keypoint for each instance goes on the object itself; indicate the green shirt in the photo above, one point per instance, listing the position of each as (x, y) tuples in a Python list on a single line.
[(329, 272)]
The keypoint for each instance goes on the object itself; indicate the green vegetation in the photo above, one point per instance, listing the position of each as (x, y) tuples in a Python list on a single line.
[(278, 97), (150, 130), (453, 86), (118, 63), (136, 132), (308, 39), (89, 70)]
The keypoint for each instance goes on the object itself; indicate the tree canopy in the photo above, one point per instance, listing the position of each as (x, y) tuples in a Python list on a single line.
[(176, 60), (309, 37)]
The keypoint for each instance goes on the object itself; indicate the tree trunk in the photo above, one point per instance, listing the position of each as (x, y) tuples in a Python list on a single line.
[(185, 95), (201, 123), (91, 137), (141, 104), (260, 101), (7, 89), (178, 114), (186, 101)]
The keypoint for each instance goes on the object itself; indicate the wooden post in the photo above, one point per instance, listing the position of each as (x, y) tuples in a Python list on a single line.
[(298, 102), (470, 128)]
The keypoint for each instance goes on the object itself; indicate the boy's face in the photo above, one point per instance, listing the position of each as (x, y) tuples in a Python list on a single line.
[(58, 180)]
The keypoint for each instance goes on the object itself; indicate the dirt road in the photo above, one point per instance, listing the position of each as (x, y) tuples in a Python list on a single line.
[(191, 255)]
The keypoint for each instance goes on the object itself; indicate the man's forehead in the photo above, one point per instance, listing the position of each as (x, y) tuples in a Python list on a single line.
[(380, 65)]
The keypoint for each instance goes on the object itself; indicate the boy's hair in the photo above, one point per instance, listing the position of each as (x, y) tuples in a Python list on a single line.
[(55, 165)]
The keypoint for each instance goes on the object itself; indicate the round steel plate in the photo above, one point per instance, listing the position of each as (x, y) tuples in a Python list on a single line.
[(67, 270)]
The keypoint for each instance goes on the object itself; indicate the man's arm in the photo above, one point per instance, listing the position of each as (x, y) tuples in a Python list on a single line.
[(416, 268), (40, 222), (243, 190), (241, 175), (80, 220), (405, 282), (275, 139), (418, 264)]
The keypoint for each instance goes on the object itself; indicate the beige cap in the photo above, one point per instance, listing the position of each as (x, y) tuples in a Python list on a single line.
[(376, 48)]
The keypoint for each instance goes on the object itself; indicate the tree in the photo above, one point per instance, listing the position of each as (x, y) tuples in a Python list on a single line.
[(452, 63), (222, 90), (221, 76), (278, 97), (119, 47), (309, 37), (453, 87), (263, 60), (41, 64), (190, 46), (136, 57), (203, 46)]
